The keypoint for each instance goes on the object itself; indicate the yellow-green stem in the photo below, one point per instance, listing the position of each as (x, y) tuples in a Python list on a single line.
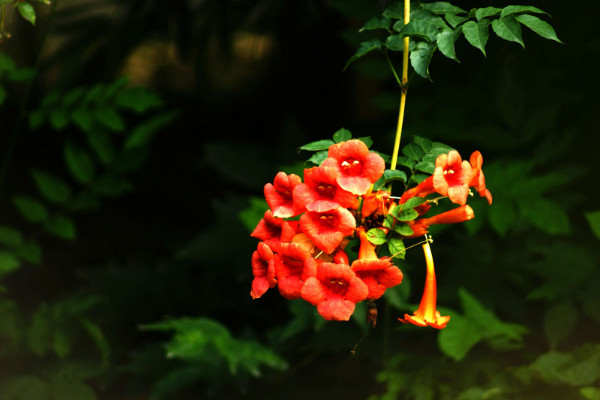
[(402, 93)]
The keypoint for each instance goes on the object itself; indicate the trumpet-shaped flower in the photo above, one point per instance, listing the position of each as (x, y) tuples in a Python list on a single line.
[(358, 168), (452, 177), (320, 191), (327, 229), (426, 314), (293, 266), (454, 216), (478, 179), (421, 190), (335, 290), (274, 231), (375, 203), (263, 269), (378, 274), (279, 195)]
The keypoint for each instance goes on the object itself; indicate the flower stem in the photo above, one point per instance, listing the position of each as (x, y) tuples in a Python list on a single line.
[(403, 91)]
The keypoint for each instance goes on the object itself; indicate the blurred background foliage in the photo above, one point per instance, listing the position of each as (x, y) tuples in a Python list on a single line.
[(136, 138)]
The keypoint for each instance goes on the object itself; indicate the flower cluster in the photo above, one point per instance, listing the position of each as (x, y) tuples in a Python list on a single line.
[(312, 226)]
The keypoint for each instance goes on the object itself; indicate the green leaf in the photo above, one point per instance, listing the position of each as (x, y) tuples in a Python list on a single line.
[(412, 203), (420, 30), (318, 157), (21, 74), (317, 146), (52, 187), (6, 63), (442, 7), (26, 387), (395, 42), (363, 49), (559, 322), (407, 162), (40, 331), (540, 27), (458, 337), (8, 262), (9, 236), (30, 208), (97, 336), (590, 393), (508, 29), (394, 175), (376, 236), (342, 135), (83, 118), (73, 96), (445, 41), (368, 142), (59, 118), (61, 344), (454, 20), (404, 229), (79, 163), (546, 215), (111, 186), (70, 388), (486, 12), (395, 10), (145, 131), (593, 219), (27, 11), (61, 226), (414, 151), (379, 22), (420, 58), (138, 99), (108, 117), (404, 214), (501, 216), (476, 33), (84, 201), (520, 9), (426, 166), (420, 14), (102, 145), (396, 247)]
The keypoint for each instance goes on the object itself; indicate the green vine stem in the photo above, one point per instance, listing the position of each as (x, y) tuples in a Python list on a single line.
[(403, 91)]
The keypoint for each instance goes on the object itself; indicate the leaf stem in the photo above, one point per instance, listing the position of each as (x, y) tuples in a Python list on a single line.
[(403, 91)]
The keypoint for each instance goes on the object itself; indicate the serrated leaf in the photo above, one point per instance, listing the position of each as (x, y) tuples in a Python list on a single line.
[(138, 99), (420, 30), (476, 33), (10, 236), (442, 7), (317, 145), (425, 166), (61, 226), (520, 9), (30, 208), (52, 187), (486, 12), (8, 262), (342, 135), (109, 117), (455, 20), (363, 49), (79, 163), (540, 27), (414, 151), (394, 175), (378, 22), (508, 28), (27, 11), (406, 162), (376, 236), (420, 58), (396, 247), (395, 42), (445, 41), (421, 14), (145, 131)]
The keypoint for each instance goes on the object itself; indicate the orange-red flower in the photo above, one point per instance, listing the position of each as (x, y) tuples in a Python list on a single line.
[(452, 177), (293, 265), (375, 203), (421, 190), (334, 290), (378, 274), (274, 231), (358, 168), (279, 195), (327, 229), (320, 191), (478, 180), (454, 216), (263, 269), (426, 314)]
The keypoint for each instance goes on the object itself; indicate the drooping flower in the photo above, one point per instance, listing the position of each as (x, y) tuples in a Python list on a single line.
[(263, 269), (378, 274), (452, 176), (293, 266), (478, 179), (327, 229), (335, 290), (274, 231), (279, 195), (426, 314), (358, 167), (421, 190), (320, 191), (454, 216)]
